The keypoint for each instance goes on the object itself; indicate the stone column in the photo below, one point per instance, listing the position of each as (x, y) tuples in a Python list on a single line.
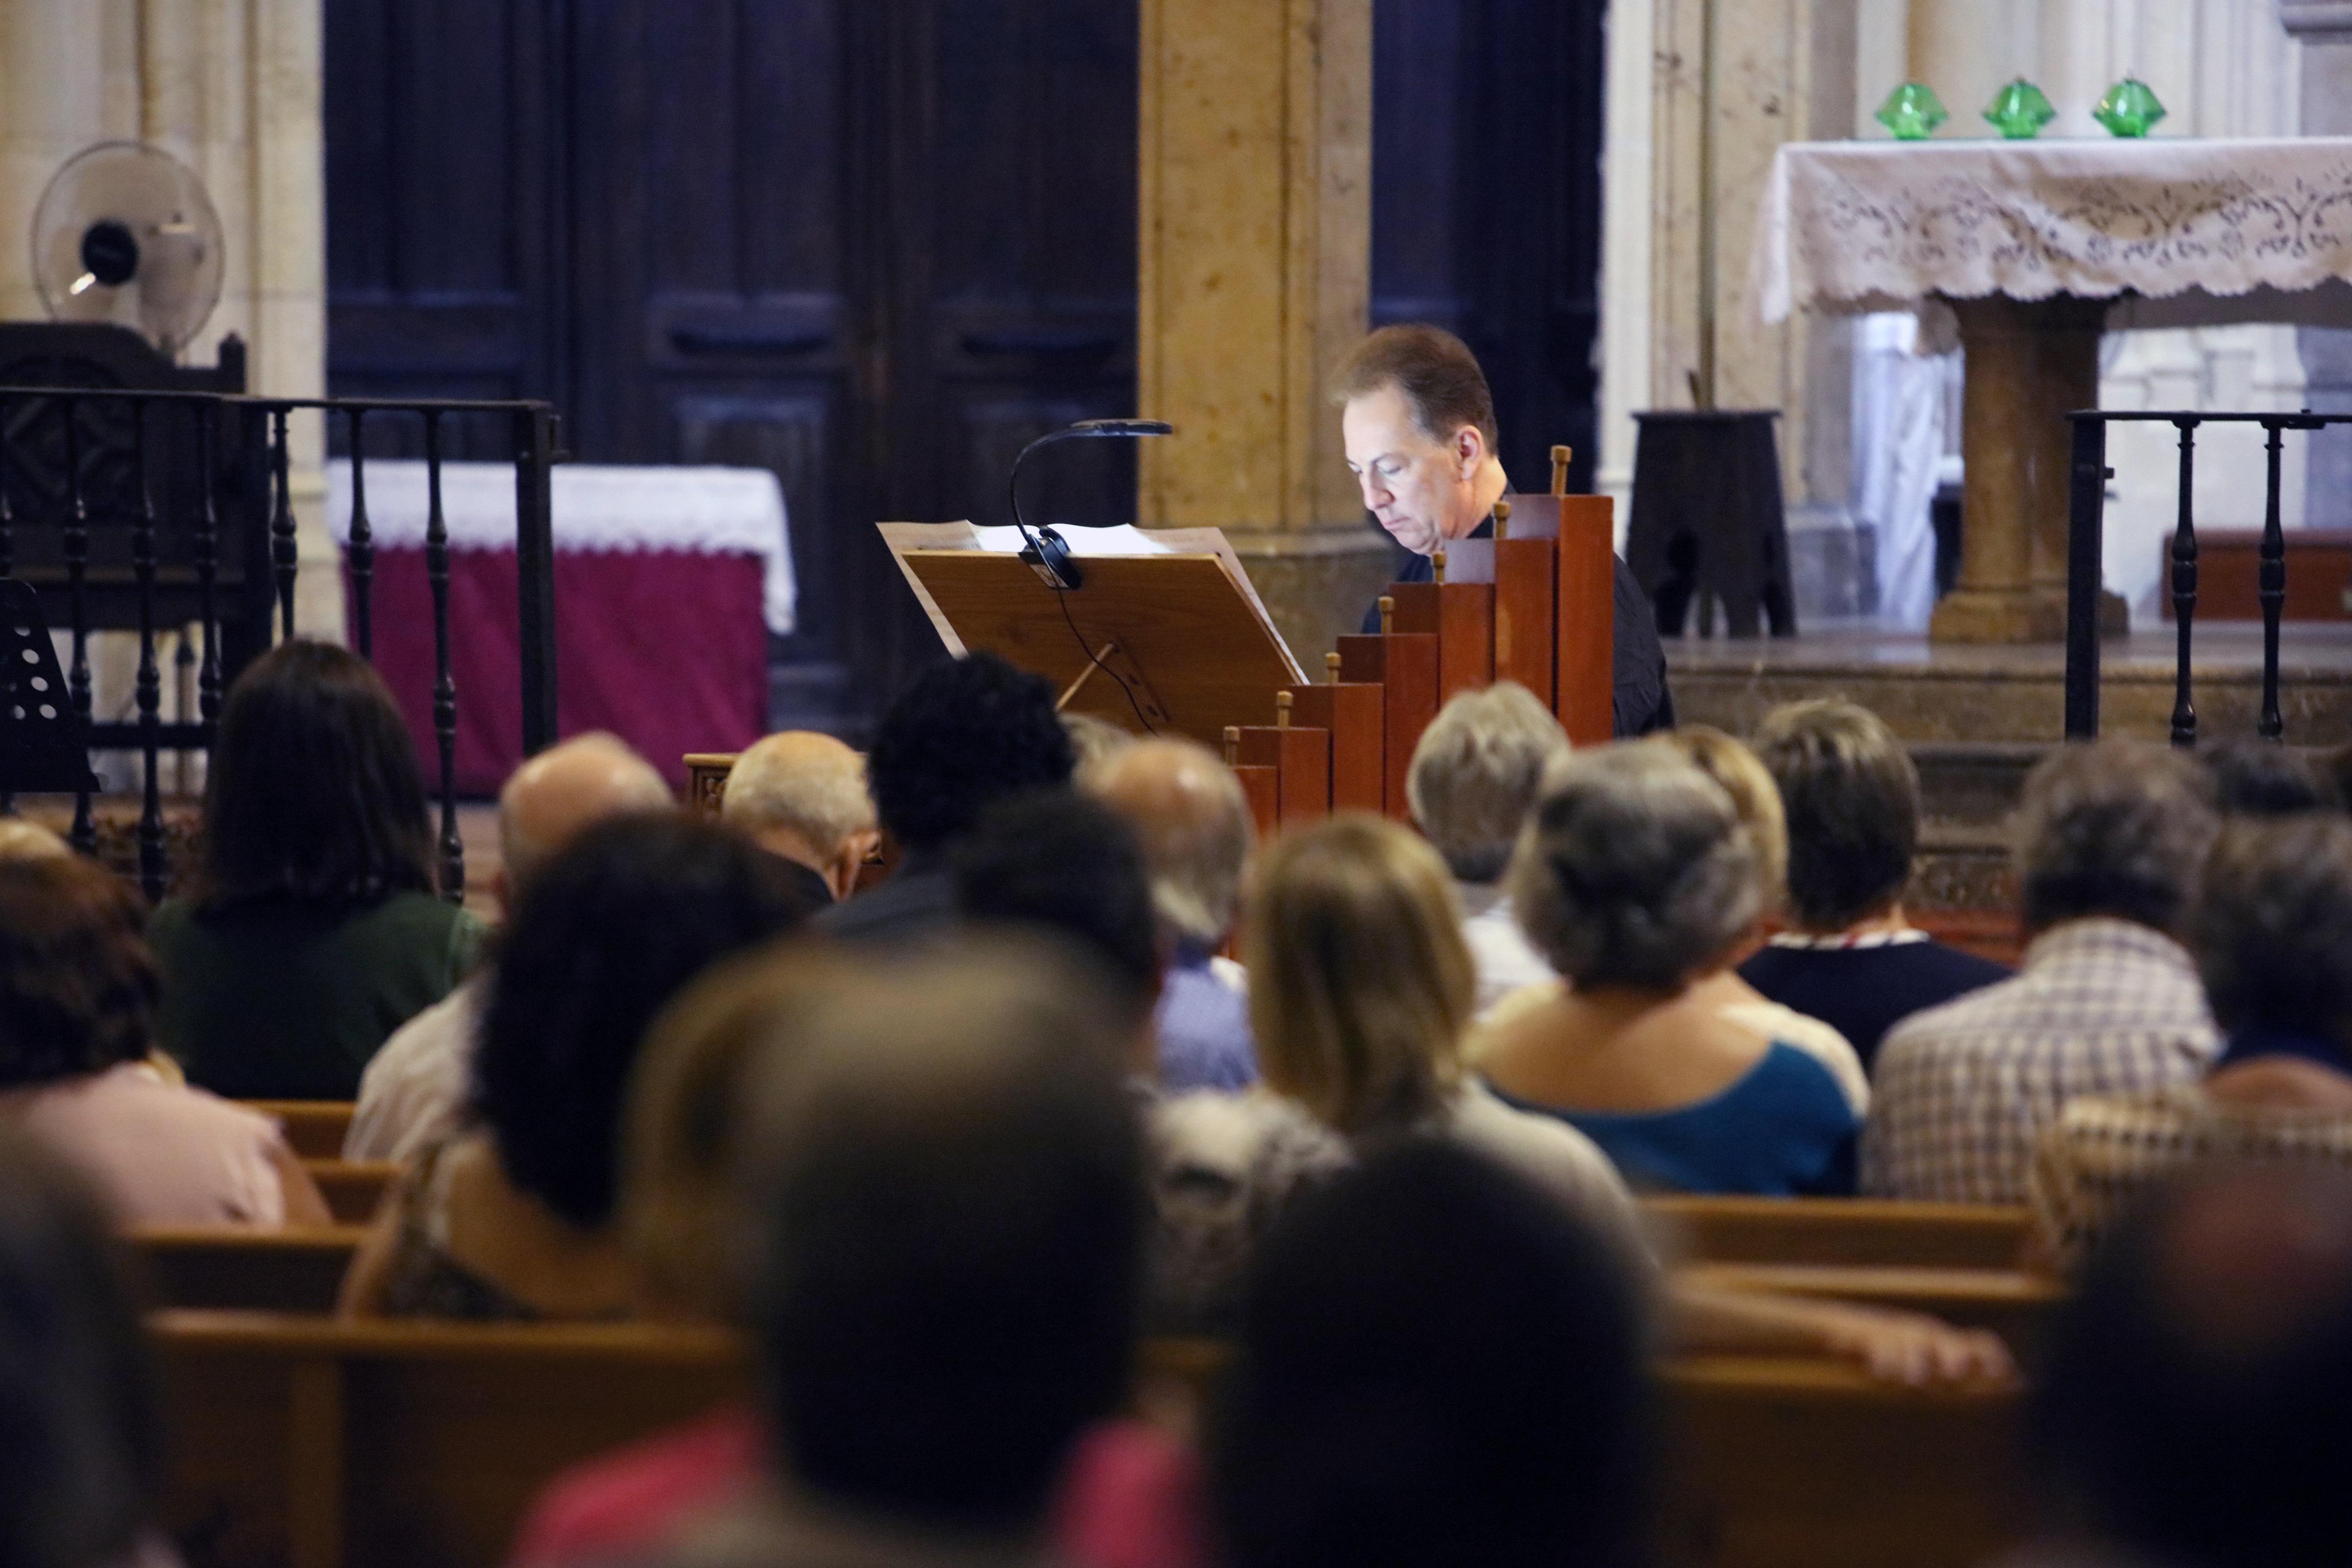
[(1255, 222), (2323, 28)]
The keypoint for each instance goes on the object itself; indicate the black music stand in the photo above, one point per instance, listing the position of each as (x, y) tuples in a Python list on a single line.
[(42, 749)]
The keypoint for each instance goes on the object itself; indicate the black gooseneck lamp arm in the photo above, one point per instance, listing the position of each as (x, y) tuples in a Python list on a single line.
[(1047, 555)]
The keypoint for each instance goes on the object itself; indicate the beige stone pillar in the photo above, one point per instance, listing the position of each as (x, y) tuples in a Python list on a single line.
[(1255, 224)]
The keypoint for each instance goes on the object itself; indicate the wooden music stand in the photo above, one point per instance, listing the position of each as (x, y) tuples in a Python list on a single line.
[(1166, 635)]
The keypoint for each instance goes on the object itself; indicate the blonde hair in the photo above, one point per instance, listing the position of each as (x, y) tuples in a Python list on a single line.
[(1360, 984), (1741, 774)]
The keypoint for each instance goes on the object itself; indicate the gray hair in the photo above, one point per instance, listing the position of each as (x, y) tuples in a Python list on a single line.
[(809, 784), (1476, 774), (1634, 869), (1192, 819), (2273, 925), (2114, 827)]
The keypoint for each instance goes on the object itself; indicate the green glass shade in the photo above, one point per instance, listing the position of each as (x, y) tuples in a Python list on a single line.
[(1911, 113), (2018, 111), (2129, 108)]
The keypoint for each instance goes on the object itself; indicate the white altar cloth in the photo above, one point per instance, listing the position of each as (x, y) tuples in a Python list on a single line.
[(699, 511), (1883, 225)]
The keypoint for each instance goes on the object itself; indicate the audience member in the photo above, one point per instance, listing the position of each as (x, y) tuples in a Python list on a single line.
[(1438, 1366), (945, 1265), (23, 840), (2109, 839), (1637, 881), (2197, 1404), (81, 1442), (1755, 802), (963, 736), (1093, 741), (2263, 778), (1849, 956), (413, 1094), (802, 795), (1068, 866), (311, 930), (78, 992), (2273, 934), (1193, 822), (1475, 777), (513, 1219)]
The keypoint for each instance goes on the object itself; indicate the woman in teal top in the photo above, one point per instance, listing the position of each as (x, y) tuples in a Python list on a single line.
[(310, 930), (1636, 881)]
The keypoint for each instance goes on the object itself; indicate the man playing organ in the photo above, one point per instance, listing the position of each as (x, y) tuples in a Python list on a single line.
[(1418, 423)]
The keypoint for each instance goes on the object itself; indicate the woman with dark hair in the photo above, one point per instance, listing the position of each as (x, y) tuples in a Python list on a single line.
[(311, 930), (77, 991), (80, 1444), (514, 1218)]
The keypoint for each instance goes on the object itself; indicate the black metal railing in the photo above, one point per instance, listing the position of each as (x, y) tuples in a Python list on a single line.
[(2084, 545), (146, 473)]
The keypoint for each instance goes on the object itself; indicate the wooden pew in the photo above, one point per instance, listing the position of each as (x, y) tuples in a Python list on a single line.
[(1850, 1231), (314, 1128), (318, 1444), (355, 1189), (236, 1267), (2016, 1306)]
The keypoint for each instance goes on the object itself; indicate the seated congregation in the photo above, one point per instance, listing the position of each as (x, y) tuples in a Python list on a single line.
[(1400, 1118)]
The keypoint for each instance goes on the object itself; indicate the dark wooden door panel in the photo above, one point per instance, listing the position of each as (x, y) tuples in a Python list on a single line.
[(796, 435)]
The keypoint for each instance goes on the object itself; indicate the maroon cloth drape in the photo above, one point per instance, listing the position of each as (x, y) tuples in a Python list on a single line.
[(664, 648)]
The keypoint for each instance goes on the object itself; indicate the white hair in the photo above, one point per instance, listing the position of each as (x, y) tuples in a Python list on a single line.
[(797, 783)]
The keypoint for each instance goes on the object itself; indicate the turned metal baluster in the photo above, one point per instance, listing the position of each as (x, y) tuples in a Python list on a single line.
[(445, 688), (77, 548), (2184, 586), (150, 686), (2272, 588), (207, 557), (281, 524), (360, 553)]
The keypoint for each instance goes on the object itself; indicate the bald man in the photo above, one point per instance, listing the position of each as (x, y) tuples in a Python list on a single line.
[(413, 1091), (801, 796), (1190, 814)]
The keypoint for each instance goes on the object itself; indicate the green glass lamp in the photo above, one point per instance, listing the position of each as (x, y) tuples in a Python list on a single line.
[(2020, 111), (1912, 111), (2130, 109)]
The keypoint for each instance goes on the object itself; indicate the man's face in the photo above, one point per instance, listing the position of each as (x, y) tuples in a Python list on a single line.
[(1421, 490)]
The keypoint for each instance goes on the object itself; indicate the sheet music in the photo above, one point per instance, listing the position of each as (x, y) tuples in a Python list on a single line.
[(1085, 543)]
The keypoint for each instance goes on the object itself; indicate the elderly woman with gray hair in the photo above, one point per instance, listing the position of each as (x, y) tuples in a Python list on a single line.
[(1636, 881)]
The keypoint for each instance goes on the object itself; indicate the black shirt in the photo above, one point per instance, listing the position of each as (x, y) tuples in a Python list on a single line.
[(1641, 702), (1862, 992)]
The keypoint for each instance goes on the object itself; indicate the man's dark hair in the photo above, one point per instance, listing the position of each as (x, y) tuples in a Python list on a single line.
[(314, 792), (77, 984), (1439, 1364), (1435, 369), (2263, 778), (81, 1450), (2196, 1405), (952, 1214), (2271, 928), (2118, 828), (1059, 860), (1852, 797), (605, 935), (964, 736)]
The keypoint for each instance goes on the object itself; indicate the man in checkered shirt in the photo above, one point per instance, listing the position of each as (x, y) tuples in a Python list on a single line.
[(2109, 840)]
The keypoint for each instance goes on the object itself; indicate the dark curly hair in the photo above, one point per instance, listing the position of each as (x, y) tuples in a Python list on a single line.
[(77, 985), (963, 736), (1060, 862), (604, 937), (314, 792), (81, 1443)]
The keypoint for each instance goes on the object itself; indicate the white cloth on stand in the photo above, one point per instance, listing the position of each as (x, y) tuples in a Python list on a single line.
[(1899, 443), (1879, 226), (596, 507)]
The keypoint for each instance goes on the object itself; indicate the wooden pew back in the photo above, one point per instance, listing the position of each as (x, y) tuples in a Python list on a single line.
[(314, 1128), (225, 1267), (355, 1189), (2018, 1306), (1857, 1232)]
